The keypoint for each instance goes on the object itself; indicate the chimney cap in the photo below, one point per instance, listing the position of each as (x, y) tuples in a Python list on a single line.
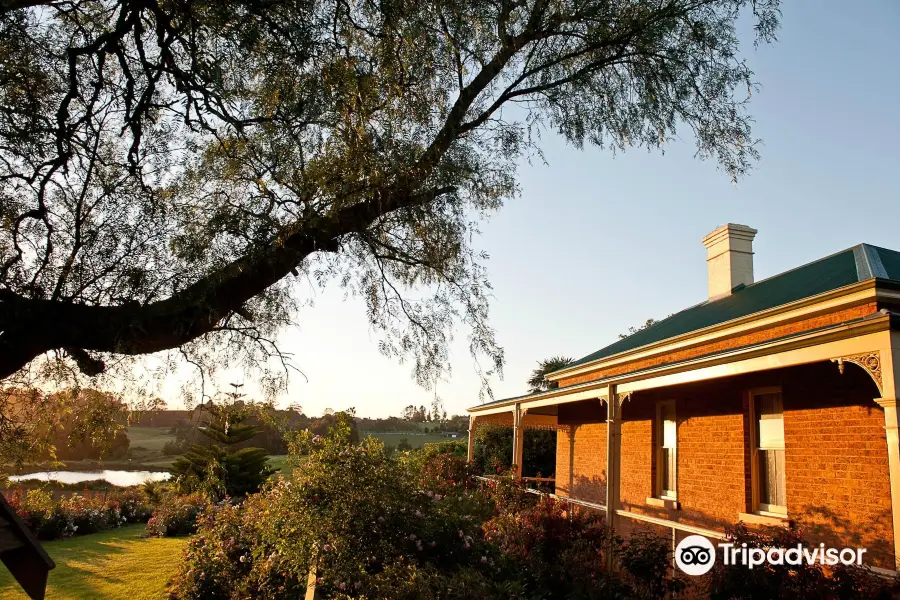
[(729, 230)]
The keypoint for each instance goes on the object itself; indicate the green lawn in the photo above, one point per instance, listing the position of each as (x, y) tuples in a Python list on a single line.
[(415, 440), (113, 564), (278, 461)]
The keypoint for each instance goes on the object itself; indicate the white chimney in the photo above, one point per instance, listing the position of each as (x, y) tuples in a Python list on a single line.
[(729, 258)]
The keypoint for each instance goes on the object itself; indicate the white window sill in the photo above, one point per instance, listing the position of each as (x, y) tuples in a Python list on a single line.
[(670, 503), (768, 519)]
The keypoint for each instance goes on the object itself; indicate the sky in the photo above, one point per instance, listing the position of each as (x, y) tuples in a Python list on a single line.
[(598, 243)]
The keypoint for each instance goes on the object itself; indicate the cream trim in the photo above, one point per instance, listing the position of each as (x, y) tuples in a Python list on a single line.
[(822, 345), (792, 353), (846, 297), (719, 535), (758, 519), (670, 503)]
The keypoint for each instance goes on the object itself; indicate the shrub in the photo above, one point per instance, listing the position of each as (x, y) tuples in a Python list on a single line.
[(78, 514), (174, 448), (42, 514), (176, 514), (792, 581), (554, 552), (356, 513), (493, 451), (645, 559), (408, 528), (443, 473), (456, 448)]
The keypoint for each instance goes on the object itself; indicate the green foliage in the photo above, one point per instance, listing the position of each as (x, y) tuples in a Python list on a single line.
[(192, 156), (538, 381), (219, 469), (456, 448), (357, 514), (633, 330), (493, 451), (177, 514), (74, 423), (552, 552), (408, 527), (78, 514), (646, 560), (787, 582)]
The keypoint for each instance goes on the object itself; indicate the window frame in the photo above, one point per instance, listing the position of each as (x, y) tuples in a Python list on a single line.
[(759, 507), (659, 489)]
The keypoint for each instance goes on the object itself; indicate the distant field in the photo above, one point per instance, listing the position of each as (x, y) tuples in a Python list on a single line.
[(113, 564), (147, 444), (416, 440), (278, 461)]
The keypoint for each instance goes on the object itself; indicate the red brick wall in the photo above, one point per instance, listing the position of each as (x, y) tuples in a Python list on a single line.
[(836, 464), (637, 451), (838, 484), (581, 451), (713, 472)]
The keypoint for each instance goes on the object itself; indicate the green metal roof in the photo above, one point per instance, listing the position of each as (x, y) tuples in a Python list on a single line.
[(845, 268)]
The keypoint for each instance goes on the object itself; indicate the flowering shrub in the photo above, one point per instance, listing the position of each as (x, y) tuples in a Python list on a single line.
[(553, 551), (645, 559), (793, 581), (356, 514), (78, 514), (442, 473), (176, 514)]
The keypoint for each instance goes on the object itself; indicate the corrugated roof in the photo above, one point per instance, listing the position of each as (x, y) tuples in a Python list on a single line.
[(850, 266), (854, 265)]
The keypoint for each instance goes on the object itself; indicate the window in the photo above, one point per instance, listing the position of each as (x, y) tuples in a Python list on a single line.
[(666, 461), (767, 415)]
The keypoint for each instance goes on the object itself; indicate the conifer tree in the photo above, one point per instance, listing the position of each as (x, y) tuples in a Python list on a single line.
[(220, 468)]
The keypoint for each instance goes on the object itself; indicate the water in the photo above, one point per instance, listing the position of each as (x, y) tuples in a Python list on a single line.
[(118, 478)]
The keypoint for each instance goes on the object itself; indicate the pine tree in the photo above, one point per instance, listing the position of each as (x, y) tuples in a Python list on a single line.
[(219, 468)]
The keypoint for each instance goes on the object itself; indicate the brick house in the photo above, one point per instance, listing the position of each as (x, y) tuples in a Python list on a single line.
[(771, 402)]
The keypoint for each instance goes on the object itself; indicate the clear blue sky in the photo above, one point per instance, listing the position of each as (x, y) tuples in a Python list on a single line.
[(596, 244)]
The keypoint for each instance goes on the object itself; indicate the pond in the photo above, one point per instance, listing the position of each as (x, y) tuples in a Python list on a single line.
[(118, 478)]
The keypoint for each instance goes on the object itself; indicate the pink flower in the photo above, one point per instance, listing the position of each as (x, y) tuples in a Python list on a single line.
[(327, 547)]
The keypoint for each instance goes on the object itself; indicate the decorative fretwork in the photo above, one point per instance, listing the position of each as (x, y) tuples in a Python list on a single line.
[(870, 363)]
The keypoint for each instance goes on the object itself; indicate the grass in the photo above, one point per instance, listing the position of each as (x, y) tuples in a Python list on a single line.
[(278, 461), (113, 564), (415, 440), (147, 444)]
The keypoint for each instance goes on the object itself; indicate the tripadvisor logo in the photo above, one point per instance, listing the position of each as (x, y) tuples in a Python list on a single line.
[(696, 555)]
